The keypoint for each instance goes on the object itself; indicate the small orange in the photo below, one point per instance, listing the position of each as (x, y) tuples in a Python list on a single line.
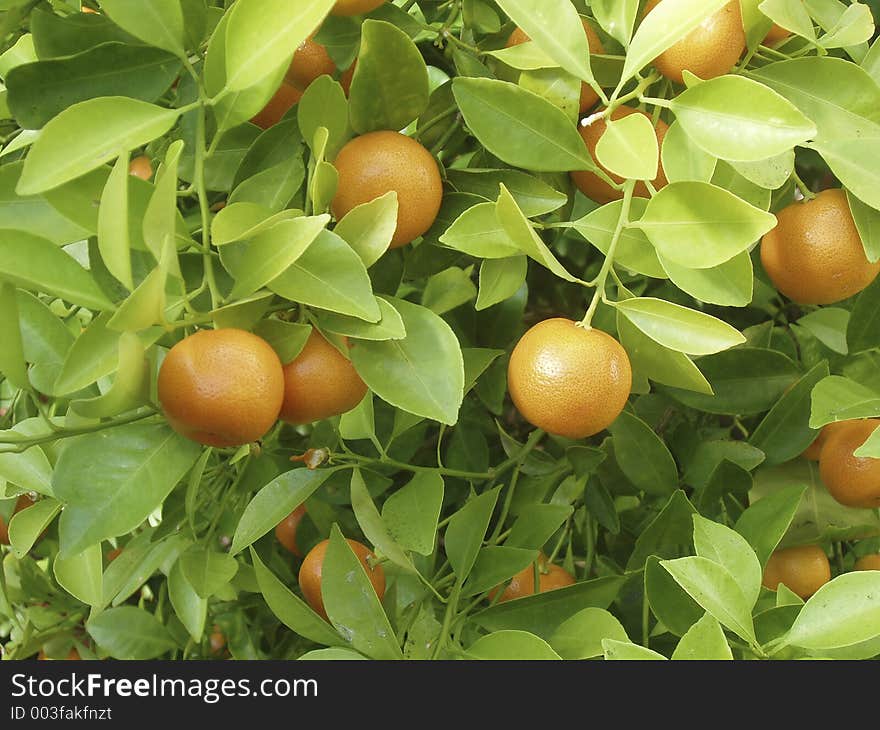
[(355, 7), (283, 100), (217, 640), (113, 554), (589, 97), (852, 480), (285, 531), (141, 167), (568, 380), (803, 570), (595, 187), (814, 450), (709, 50), (815, 255), (550, 577), (868, 562), (73, 655), (22, 503), (221, 387), (775, 34), (310, 573), (319, 383), (310, 62), (377, 163)]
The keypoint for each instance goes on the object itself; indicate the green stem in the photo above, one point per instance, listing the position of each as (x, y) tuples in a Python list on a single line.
[(601, 279), (204, 207), (24, 444), (451, 608), (802, 186)]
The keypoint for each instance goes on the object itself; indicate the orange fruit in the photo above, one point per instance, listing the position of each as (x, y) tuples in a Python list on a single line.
[(285, 531), (550, 577), (853, 481), (709, 50), (595, 187), (377, 163), (815, 255), (568, 380), (217, 640), (868, 562), (23, 503), (73, 655), (284, 99), (221, 387), (803, 570), (141, 167), (814, 450), (775, 34), (310, 62), (355, 7), (588, 95), (310, 573), (319, 383)]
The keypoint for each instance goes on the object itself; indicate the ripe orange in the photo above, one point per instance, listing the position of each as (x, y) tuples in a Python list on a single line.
[(23, 503), (378, 162), (710, 50), (310, 573), (217, 640), (310, 62), (550, 577), (285, 97), (814, 255), (803, 570), (141, 167), (775, 34), (355, 7), (814, 450), (320, 382), (221, 387), (568, 380), (853, 481), (285, 531), (588, 95), (868, 562), (595, 187)]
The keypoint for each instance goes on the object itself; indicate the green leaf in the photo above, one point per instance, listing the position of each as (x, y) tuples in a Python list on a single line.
[(40, 91), (87, 135), (679, 328), (112, 480), (448, 290), (735, 118), (159, 222), (533, 195), (262, 36), (729, 285), (581, 636), (784, 432), (113, 238), (683, 160), (352, 604), (287, 338), (411, 513), (507, 645), (849, 160), (496, 564), (324, 104), (373, 526), (842, 613), (389, 327), (665, 25), (730, 549), (131, 387), (81, 575), (12, 362), (716, 590), (207, 571), (157, 22), (46, 341), (422, 373), (129, 632), (699, 225), (520, 127), (34, 263), (369, 228), (704, 641), (767, 520), (536, 524), (669, 603), (291, 610), (329, 275), (867, 222), (628, 148), (746, 380), (836, 398), (627, 651), (669, 534), (479, 232), (189, 606), (643, 456), (26, 526), (466, 530), (274, 502), (500, 279), (137, 565), (554, 26), (390, 85)]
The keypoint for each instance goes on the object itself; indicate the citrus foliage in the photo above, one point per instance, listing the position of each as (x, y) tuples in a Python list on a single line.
[(367, 205)]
